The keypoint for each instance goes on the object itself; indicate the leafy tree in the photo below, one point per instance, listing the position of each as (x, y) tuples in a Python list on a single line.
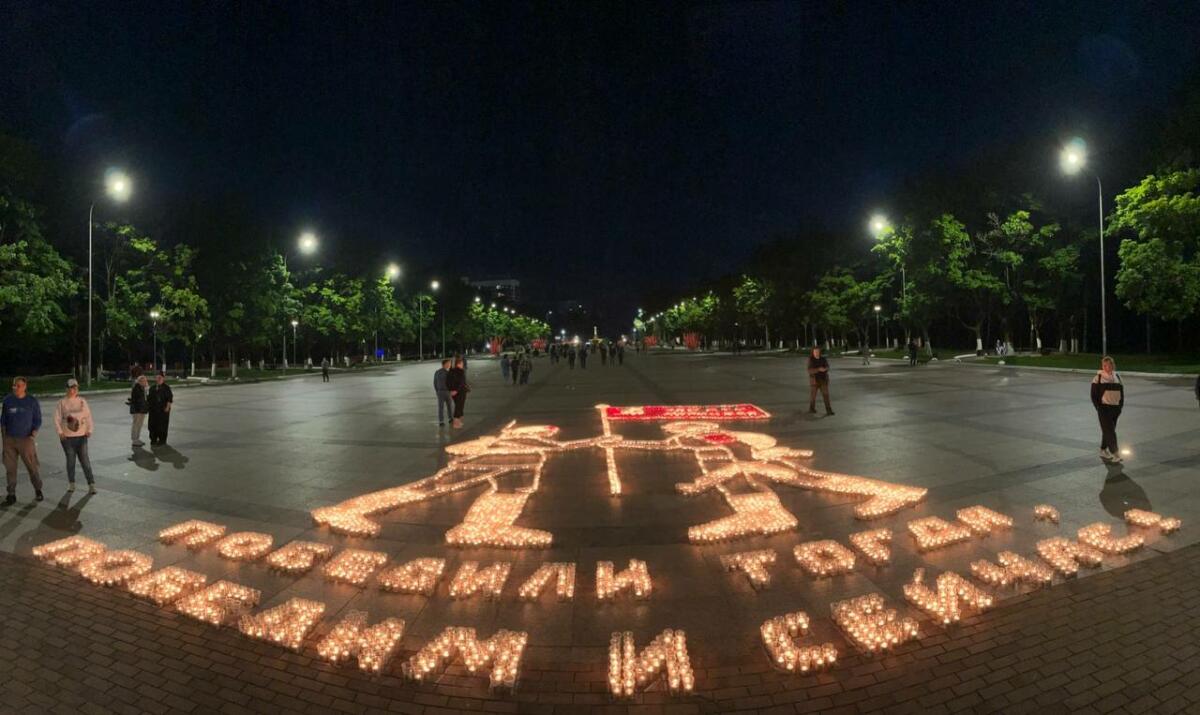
[(1160, 264), (969, 271), (35, 281), (753, 299)]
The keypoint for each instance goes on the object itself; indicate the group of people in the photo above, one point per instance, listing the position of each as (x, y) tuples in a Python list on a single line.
[(153, 401), (520, 367), (20, 422), (611, 353), (451, 387)]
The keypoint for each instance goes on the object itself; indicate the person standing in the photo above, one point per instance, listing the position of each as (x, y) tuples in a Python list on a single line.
[(159, 400), (504, 367), (138, 407), (20, 421), (571, 358), (456, 382), (526, 368), (1108, 397), (444, 400), (515, 366), (818, 380), (73, 421), (325, 369), (603, 354), (620, 354), (912, 353), (583, 356)]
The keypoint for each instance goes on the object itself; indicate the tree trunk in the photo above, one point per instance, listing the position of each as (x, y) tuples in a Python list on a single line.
[(1148, 334)]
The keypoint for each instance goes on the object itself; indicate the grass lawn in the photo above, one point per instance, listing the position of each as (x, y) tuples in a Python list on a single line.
[(1182, 363), (57, 384)]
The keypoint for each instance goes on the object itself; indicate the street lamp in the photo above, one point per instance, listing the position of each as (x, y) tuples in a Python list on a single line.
[(878, 309), (118, 187), (880, 228), (295, 323), (393, 271), (1072, 160), (308, 243), (154, 344), (433, 286)]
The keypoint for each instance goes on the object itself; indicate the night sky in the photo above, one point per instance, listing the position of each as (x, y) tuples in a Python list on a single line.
[(588, 149)]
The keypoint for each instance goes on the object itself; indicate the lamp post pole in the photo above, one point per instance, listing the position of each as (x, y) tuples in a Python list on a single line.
[(294, 324), (1103, 290), (91, 210)]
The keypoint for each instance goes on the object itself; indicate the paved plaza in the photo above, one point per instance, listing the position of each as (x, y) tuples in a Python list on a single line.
[(260, 458)]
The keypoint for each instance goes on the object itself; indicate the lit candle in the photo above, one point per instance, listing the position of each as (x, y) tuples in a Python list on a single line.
[(779, 637)]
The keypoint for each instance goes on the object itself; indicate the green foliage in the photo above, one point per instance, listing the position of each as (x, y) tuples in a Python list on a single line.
[(35, 281)]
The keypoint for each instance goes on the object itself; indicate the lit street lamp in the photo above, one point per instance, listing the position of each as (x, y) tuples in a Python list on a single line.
[(433, 286), (154, 344), (1072, 159), (118, 187), (878, 309), (880, 227), (295, 323)]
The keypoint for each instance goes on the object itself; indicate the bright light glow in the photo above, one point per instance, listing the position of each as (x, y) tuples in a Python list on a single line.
[(502, 651), (1073, 157), (946, 603), (434, 285), (1013, 570), (295, 323), (308, 242), (752, 563), (68, 552), (471, 579), (1099, 536), (354, 566), (299, 556), (560, 572), (1067, 556), (879, 224), (1045, 512), (869, 624), (779, 637), (878, 308), (393, 271), (635, 578), (194, 534), (1148, 519), (118, 185), (220, 603), (476, 299), (824, 558), (874, 545), (416, 576), (285, 625), (165, 586), (154, 315), (373, 646), (113, 568), (667, 654)]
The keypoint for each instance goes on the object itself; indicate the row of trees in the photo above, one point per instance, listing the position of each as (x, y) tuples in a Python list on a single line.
[(238, 304), (1014, 274)]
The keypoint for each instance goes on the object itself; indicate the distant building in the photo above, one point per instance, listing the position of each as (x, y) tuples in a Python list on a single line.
[(506, 289)]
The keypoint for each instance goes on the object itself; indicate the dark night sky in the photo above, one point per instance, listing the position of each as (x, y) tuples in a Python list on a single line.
[(588, 149)]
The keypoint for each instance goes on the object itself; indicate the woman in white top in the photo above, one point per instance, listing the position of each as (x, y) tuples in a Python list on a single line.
[(1108, 397), (73, 421)]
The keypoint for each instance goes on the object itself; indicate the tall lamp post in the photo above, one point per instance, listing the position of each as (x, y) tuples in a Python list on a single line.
[(1072, 159), (295, 323), (154, 344), (433, 286), (880, 227), (393, 274), (878, 309), (118, 187)]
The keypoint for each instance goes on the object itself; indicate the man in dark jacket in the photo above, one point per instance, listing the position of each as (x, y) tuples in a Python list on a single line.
[(444, 400), (159, 400), (138, 407), (456, 382), (20, 421), (818, 380)]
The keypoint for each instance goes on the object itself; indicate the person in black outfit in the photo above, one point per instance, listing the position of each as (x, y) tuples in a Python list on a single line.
[(137, 408), (159, 400), (1108, 397), (912, 353), (456, 382), (571, 358), (818, 380), (583, 356)]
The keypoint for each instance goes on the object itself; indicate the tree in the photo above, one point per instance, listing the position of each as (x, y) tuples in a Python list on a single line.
[(35, 281), (753, 299), (969, 271), (1160, 262)]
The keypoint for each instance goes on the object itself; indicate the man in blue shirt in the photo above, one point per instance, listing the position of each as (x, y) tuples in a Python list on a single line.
[(20, 420)]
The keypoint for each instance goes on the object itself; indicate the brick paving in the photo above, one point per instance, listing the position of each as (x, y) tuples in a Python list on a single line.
[(1125, 640)]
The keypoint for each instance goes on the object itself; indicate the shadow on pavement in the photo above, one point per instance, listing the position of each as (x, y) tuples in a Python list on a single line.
[(144, 459), (1121, 493), (66, 516), (166, 453)]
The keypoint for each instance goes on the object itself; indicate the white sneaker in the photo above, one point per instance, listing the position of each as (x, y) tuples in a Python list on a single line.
[(138, 443), (1116, 457), (1106, 455), (91, 489), (71, 487)]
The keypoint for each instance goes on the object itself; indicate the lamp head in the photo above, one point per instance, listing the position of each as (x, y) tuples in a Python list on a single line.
[(434, 285), (879, 225), (117, 184), (308, 242), (1073, 156), (393, 271)]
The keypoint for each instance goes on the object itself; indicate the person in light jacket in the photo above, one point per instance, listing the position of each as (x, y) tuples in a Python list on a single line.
[(138, 407), (1108, 397), (73, 421)]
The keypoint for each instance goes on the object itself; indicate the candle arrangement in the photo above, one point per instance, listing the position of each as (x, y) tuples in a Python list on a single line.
[(68, 552), (354, 566), (286, 625), (635, 578), (1148, 519), (946, 603), (873, 544), (220, 603), (1045, 512), (245, 546), (297, 557), (471, 579), (933, 533), (563, 575), (752, 563), (416, 576), (194, 534), (667, 655), (1013, 569), (1099, 536), (1067, 556), (779, 636), (373, 646), (824, 558), (502, 651), (489, 522), (982, 520), (167, 585), (869, 624), (113, 568)]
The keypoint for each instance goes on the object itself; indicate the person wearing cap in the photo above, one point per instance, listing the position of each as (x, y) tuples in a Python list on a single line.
[(73, 420), (159, 399), (20, 420)]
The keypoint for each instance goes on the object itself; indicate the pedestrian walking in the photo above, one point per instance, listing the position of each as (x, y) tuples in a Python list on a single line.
[(442, 391), (1108, 397), (912, 353), (583, 356), (603, 354), (818, 380), (160, 399), (620, 354), (866, 353), (456, 382), (571, 358), (515, 366), (138, 407), (73, 421), (19, 422), (504, 366), (325, 369), (526, 368)]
